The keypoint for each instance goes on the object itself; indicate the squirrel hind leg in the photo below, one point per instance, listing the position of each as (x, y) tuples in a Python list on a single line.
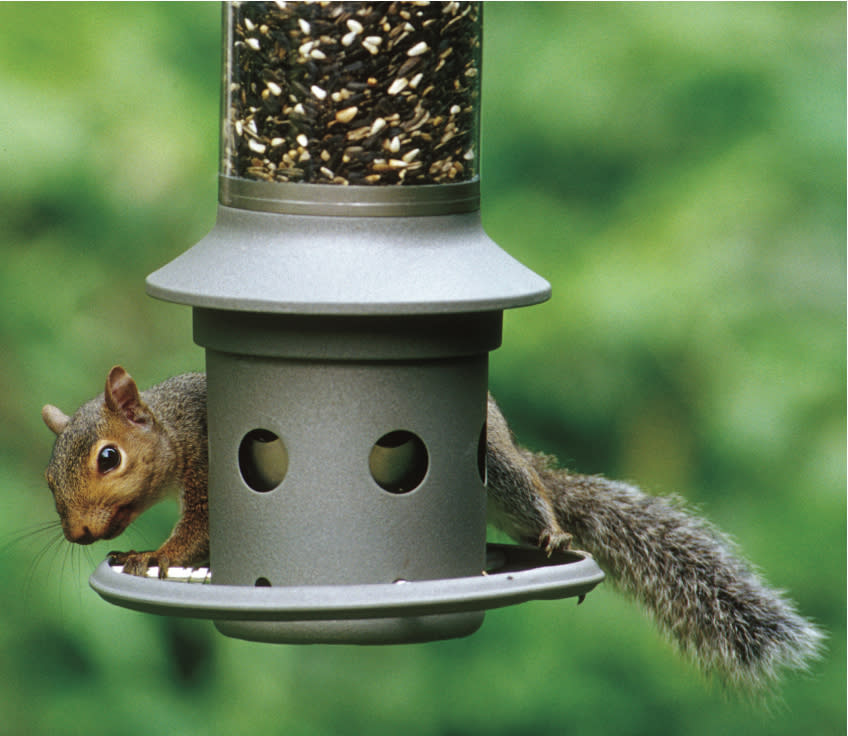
[(547, 535), (551, 536), (554, 540)]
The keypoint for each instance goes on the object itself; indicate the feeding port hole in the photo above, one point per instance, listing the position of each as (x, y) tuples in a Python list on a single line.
[(263, 460), (398, 462)]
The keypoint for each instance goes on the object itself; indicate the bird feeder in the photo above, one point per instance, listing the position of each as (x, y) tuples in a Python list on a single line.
[(347, 299)]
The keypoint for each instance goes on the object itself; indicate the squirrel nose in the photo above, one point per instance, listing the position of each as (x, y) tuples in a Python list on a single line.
[(83, 537)]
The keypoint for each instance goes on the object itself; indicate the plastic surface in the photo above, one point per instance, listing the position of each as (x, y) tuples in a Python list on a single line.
[(329, 520), (347, 265), (367, 613)]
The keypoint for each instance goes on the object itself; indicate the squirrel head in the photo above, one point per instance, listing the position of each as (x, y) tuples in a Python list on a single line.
[(104, 462)]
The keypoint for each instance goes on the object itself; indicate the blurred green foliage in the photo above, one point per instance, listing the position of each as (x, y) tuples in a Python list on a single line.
[(677, 171)]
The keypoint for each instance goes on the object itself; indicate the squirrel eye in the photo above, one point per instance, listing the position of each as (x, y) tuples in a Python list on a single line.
[(108, 459)]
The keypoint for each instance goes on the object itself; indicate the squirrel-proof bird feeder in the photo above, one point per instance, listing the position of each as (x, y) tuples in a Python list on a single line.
[(347, 299)]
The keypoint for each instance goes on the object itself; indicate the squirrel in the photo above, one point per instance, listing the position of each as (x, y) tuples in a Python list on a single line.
[(120, 453)]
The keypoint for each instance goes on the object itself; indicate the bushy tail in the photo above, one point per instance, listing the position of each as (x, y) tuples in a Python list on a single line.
[(687, 574)]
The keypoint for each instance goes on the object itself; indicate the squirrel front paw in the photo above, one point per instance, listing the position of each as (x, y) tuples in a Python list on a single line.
[(138, 563)]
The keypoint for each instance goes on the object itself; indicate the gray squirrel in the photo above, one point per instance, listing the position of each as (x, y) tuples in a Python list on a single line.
[(122, 451)]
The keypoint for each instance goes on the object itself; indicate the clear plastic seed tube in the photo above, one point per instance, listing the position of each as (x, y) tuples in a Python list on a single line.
[(352, 93)]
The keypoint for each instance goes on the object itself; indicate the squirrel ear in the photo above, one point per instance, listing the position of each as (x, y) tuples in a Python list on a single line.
[(121, 395), (55, 418)]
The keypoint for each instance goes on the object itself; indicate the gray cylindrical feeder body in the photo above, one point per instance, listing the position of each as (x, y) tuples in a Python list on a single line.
[(329, 520), (347, 299)]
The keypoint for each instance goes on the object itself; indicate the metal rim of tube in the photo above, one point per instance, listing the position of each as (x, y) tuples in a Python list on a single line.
[(349, 201)]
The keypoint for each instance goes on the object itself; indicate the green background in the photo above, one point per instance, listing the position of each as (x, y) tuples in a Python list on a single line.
[(676, 171)]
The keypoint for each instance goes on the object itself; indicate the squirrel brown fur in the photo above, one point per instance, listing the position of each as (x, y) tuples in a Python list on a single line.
[(120, 452)]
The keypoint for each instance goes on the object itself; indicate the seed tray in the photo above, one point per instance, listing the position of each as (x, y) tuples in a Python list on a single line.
[(514, 574)]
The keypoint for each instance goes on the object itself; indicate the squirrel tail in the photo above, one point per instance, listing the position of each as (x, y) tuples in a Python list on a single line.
[(710, 602)]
